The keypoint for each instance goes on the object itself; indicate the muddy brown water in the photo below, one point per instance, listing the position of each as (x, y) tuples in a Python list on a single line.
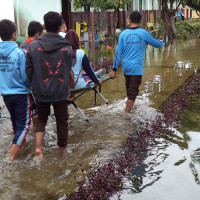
[(89, 143)]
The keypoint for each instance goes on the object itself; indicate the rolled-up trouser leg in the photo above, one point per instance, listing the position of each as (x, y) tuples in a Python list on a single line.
[(132, 86), (43, 109)]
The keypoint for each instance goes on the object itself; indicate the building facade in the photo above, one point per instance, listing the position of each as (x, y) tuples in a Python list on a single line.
[(24, 11)]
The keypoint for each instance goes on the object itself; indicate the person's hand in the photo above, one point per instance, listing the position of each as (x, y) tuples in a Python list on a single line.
[(161, 37), (113, 74), (100, 81)]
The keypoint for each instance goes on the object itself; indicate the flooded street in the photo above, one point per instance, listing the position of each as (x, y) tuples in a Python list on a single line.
[(170, 170)]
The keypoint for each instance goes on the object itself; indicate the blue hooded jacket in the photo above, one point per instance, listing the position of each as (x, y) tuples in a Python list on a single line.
[(13, 78), (131, 50)]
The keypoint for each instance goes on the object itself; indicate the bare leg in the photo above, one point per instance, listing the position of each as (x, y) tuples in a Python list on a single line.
[(129, 105), (14, 150), (38, 139)]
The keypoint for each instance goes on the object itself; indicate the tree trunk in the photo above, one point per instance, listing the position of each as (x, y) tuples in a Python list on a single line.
[(92, 25), (115, 21), (109, 20), (87, 9), (168, 19), (119, 19), (124, 18), (66, 13), (173, 28)]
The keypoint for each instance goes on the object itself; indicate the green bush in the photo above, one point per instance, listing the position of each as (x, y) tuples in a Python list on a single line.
[(187, 29), (102, 36), (161, 25)]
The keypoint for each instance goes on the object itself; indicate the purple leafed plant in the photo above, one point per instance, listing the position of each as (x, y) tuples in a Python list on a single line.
[(107, 178)]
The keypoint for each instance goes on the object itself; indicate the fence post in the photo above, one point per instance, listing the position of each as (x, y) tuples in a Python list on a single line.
[(109, 23), (92, 22)]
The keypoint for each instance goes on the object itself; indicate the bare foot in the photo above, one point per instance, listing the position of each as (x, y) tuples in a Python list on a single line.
[(9, 158), (13, 152), (62, 151), (38, 152), (38, 156)]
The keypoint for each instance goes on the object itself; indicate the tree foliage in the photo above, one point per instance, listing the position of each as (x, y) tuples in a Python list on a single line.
[(111, 4), (102, 4), (168, 16), (83, 3), (169, 4), (194, 4)]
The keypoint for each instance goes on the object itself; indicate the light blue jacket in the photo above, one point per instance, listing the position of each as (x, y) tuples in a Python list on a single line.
[(77, 68), (13, 79), (82, 61), (131, 50)]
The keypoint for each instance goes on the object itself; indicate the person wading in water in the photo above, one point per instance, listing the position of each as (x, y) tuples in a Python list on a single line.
[(131, 50)]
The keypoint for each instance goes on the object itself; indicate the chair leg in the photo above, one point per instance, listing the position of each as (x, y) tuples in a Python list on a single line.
[(96, 91), (79, 110), (95, 98)]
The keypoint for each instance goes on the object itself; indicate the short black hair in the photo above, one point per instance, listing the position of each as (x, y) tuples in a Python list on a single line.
[(135, 17), (34, 27), (63, 21), (52, 21), (7, 28)]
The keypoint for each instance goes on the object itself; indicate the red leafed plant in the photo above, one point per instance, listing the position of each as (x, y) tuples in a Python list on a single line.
[(107, 178)]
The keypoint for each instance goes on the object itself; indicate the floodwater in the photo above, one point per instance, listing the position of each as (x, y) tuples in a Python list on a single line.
[(169, 170)]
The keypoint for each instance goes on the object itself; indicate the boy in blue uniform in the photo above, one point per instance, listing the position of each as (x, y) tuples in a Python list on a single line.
[(14, 85), (131, 50)]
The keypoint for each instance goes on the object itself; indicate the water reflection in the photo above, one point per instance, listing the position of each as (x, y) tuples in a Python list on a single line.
[(191, 128), (195, 165), (173, 164)]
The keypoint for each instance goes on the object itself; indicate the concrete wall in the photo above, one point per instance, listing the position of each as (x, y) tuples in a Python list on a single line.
[(26, 11)]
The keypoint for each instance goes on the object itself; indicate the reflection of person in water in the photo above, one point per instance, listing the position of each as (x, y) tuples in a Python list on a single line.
[(195, 159)]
